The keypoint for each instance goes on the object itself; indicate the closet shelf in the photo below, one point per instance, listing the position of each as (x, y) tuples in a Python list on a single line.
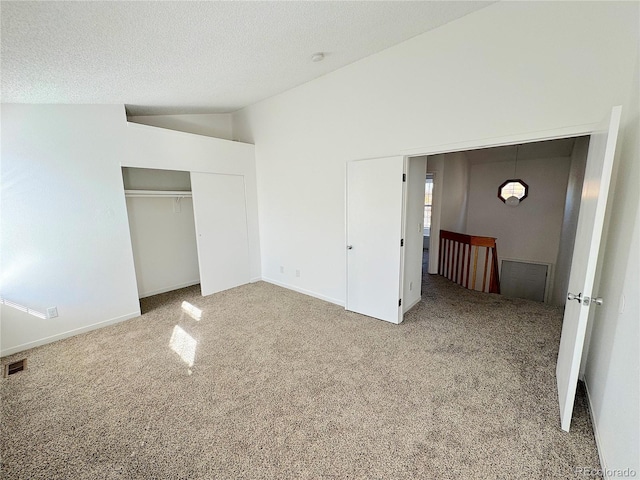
[(157, 193)]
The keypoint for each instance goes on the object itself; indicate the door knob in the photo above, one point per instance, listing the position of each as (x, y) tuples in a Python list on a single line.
[(349, 247), (586, 301), (571, 296)]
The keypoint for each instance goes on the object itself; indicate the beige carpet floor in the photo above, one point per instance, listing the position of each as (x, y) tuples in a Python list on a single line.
[(287, 386)]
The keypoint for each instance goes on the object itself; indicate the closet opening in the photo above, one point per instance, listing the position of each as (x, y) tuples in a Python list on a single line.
[(162, 227)]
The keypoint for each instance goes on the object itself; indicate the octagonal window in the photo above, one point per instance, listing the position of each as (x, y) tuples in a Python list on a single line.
[(513, 189)]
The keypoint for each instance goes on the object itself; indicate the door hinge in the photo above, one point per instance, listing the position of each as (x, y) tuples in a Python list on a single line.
[(404, 177), (402, 242), (400, 302)]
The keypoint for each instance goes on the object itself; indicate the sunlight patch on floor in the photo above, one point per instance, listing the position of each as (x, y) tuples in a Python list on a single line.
[(184, 345), (191, 310)]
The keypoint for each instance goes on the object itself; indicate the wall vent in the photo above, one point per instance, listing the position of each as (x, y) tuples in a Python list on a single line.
[(522, 279), (15, 367)]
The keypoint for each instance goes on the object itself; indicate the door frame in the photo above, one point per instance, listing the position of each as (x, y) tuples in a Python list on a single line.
[(476, 144), (133, 256), (528, 137), (531, 137)]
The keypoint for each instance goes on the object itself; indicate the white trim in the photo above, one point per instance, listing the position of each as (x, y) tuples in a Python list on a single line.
[(346, 234), (403, 234), (169, 289), (67, 334), (596, 434), (526, 137), (335, 301)]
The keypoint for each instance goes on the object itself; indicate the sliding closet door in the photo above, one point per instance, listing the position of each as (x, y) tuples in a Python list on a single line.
[(221, 231)]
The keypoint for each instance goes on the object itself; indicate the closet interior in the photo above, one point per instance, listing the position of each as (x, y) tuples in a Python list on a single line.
[(162, 226)]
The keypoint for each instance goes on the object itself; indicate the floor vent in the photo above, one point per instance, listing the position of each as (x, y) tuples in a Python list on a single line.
[(15, 367)]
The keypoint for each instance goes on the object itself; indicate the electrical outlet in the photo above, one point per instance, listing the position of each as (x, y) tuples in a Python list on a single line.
[(297, 273), (52, 312), (281, 269), (410, 285)]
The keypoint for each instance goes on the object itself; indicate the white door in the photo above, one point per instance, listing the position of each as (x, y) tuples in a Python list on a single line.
[(220, 214), (375, 190), (583, 265)]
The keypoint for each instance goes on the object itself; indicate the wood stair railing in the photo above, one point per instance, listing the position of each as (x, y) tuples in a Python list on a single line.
[(454, 262)]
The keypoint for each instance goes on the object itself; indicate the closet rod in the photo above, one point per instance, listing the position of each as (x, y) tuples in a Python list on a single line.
[(157, 193)]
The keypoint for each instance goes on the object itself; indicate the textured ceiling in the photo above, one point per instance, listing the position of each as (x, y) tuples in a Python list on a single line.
[(194, 57)]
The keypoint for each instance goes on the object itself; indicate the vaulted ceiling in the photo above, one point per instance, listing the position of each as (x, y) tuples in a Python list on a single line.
[(194, 57)]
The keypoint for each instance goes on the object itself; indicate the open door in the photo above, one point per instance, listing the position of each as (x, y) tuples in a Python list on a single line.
[(375, 197), (222, 239), (585, 257)]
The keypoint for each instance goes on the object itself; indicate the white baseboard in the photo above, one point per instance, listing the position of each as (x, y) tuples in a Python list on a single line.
[(169, 289), (603, 463), (305, 292), (70, 333)]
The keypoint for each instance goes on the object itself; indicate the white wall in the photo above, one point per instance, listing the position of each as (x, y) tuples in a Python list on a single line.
[(414, 229), (435, 166), (531, 230), (453, 197), (420, 96), (65, 235), (218, 125), (485, 79), (164, 244), (450, 192), (569, 221)]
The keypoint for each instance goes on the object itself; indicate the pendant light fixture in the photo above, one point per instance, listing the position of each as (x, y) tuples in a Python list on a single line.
[(513, 190)]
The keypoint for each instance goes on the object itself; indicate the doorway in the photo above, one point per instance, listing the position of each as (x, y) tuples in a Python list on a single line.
[(590, 222), (162, 228), (536, 235)]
